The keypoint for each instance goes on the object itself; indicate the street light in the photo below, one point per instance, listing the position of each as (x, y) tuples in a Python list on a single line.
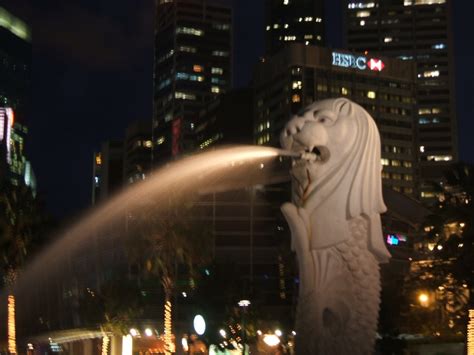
[(424, 298)]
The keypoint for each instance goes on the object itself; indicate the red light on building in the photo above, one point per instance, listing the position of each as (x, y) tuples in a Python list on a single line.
[(176, 135), (376, 64)]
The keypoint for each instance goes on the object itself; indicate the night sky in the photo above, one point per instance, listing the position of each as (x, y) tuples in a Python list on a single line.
[(92, 75)]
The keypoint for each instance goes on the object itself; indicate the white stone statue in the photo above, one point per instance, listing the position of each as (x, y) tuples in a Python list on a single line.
[(335, 225)]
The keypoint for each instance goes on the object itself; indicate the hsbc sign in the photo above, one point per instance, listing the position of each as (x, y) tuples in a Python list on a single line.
[(358, 62)]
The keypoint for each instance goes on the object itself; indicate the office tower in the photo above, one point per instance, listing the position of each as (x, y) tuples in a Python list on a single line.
[(137, 151), (193, 59), (15, 96), (300, 74), (418, 31), (288, 21), (107, 170)]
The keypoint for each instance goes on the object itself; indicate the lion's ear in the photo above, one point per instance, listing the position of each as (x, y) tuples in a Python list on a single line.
[(344, 107)]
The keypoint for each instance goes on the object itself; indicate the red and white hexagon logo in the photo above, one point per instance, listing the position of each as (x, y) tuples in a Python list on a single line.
[(376, 64)]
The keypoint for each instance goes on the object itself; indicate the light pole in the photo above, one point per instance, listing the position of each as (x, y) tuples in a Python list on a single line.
[(243, 304)]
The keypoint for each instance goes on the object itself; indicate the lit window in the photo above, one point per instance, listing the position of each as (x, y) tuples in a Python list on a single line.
[(388, 39), (429, 2), (435, 110), (385, 175), (318, 19), (438, 46), (184, 96), (276, 25), (296, 85), (295, 98), (360, 5), (198, 68), (300, 19), (408, 177), (147, 144), (407, 2), (422, 148), (384, 161), (221, 26), (308, 36), (286, 25), (395, 162), (160, 140), (363, 14), (396, 176), (220, 53), (344, 91), (407, 164), (268, 28), (424, 111), (215, 89), (286, 2), (217, 70), (362, 23), (431, 74), (439, 158), (371, 94), (187, 49), (189, 31)]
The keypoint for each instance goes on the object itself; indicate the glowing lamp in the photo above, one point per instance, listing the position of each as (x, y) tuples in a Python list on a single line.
[(271, 339), (199, 324)]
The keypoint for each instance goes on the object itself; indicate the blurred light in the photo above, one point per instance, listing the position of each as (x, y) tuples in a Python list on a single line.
[(439, 247), (271, 339), (148, 332), (127, 345), (293, 332), (278, 333), (259, 332), (184, 343), (222, 333), (199, 324), (423, 298), (11, 325), (184, 294), (133, 332), (470, 333), (244, 303)]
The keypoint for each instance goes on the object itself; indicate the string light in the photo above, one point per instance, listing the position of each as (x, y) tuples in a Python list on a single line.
[(105, 344), (11, 325), (168, 340), (470, 333)]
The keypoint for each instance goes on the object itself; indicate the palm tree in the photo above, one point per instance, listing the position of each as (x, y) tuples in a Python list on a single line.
[(173, 240), (19, 218)]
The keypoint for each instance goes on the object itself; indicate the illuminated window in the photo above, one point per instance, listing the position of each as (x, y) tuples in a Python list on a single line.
[(388, 39), (217, 70), (407, 164), (296, 85), (396, 176), (184, 96), (344, 91), (189, 31), (221, 26), (424, 111), (395, 162), (322, 87), (220, 53), (427, 194), (422, 148), (363, 14), (439, 158), (408, 177), (276, 25), (360, 5), (408, 190), (371, 94), (187, 49), (362, 23), (438, 46), (160, 140), (286, 25), (198, 68), (147, 144), (407, 2), (435, 110), (431, 74), (98, 159), (286, 2), (308, 36), (385, 175), (384, 161), (318, 19), (429, 2), (215, 89), (268, 28), (295, 98)]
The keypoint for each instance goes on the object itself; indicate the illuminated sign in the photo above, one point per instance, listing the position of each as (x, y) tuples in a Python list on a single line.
[(395, 239), (357, 62)]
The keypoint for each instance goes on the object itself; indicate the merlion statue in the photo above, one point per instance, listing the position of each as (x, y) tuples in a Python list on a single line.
[(335, 225)]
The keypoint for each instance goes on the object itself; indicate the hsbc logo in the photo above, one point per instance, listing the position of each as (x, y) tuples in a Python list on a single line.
[(357, 62), (376, 64)]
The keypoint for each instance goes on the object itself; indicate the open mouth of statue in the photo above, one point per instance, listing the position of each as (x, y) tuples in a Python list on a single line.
[(314, 154)]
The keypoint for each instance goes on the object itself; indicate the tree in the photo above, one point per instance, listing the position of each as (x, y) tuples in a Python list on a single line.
[(19, 225), (172, 243)]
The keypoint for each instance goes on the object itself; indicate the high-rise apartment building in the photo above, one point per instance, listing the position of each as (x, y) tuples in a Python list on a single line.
[(385, 87), (288, 21), (418, 31), (15, 96), (193, 61)]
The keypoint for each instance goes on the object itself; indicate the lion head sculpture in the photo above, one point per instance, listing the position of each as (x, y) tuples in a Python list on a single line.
[(338, 174)]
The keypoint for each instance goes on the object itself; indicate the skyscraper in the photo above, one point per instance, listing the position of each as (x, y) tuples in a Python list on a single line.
[(193, 60), (300, 75), (287, 21), (419, 31)]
